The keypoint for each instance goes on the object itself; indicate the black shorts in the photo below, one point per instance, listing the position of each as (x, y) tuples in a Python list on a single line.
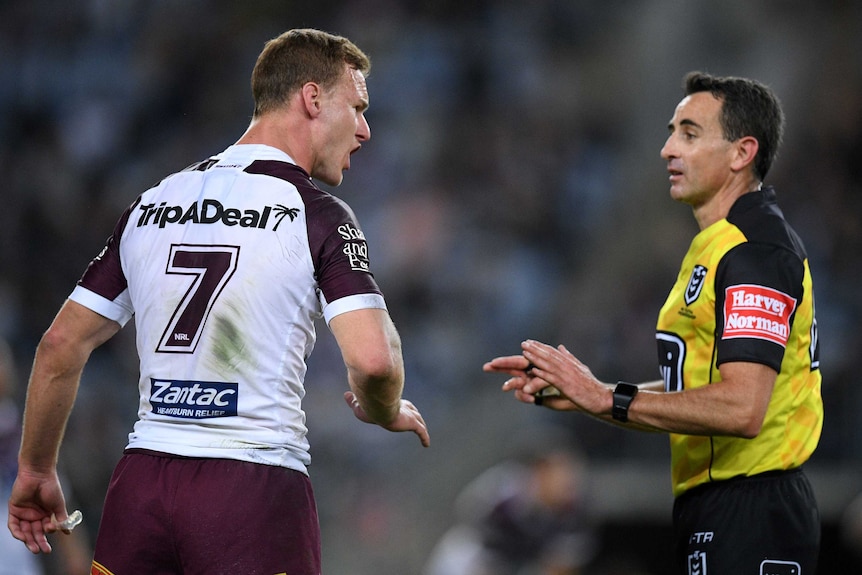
[(166, 515), (766, 524)]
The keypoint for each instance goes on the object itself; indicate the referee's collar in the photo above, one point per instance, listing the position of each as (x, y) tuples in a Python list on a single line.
[(763, 196)]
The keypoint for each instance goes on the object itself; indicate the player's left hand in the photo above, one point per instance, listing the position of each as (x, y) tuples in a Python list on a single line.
[(408, 418)]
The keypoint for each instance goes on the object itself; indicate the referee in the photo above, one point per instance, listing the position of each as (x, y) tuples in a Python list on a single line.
[(737, 349)]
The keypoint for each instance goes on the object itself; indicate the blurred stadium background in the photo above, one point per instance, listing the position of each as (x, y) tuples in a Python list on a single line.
[(512, 188)]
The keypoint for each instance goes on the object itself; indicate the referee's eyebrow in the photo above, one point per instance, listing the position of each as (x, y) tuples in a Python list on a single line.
[(684, 122)]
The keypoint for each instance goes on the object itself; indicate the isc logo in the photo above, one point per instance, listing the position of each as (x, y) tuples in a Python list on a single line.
[(193, 399)]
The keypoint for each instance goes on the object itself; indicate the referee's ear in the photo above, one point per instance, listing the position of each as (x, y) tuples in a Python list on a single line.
[(744, 153)]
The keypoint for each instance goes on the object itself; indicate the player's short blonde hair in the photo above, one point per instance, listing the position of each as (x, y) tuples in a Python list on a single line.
[(297, 57)]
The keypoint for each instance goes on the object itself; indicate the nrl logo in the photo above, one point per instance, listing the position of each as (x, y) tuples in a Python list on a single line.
[(695, 284), (697, 563)]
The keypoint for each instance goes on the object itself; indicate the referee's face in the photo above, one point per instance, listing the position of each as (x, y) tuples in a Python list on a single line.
[(698, 156), (343, 129)]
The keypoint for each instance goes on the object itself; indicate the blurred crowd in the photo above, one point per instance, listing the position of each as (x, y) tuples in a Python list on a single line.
[(512, 188)]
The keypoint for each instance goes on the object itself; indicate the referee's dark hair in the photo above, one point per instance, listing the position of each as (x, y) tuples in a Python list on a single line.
[(748, 108)]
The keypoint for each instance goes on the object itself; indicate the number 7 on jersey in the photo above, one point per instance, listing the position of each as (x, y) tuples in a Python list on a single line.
[(210, 267)]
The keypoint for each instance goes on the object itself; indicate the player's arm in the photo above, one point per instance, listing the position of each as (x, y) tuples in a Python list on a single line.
[(371, 349), (60, 358)]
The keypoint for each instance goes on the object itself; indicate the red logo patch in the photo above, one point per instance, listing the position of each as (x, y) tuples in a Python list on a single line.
[(759, 312), (98, 569)]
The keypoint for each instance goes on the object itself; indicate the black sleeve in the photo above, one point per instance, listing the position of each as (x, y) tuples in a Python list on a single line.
[(758, 287)]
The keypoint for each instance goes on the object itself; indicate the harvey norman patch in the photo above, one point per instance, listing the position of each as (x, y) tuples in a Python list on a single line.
[(757, 312)]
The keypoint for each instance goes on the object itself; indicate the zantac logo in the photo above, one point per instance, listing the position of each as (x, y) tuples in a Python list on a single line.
[(212, 212), (757, 312), (193, 399)]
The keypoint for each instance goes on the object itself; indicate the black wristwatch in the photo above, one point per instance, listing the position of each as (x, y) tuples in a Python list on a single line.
[(624, 393)]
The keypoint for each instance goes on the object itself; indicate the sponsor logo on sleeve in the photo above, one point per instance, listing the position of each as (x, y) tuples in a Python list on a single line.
[(355, 247), (193, 399), (759, 312)]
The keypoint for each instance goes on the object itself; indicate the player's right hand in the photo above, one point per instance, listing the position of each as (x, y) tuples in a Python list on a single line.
[(35, 502)]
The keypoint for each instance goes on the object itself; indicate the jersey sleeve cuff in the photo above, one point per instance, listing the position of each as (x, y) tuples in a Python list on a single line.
[(351, 303), (101, 305)]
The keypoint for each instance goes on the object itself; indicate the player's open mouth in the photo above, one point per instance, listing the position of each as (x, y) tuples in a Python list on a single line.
[(347, 160)]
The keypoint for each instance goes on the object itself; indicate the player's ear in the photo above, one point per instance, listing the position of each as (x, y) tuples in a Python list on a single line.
[(311, 94), (744, 150)]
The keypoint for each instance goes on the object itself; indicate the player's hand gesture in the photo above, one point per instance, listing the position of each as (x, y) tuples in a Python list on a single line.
[(408, 418), (36, 502)]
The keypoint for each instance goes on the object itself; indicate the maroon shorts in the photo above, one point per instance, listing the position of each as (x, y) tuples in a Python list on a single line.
[(167, 515)]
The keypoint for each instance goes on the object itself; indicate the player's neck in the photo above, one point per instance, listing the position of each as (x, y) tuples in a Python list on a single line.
[(276, 131)]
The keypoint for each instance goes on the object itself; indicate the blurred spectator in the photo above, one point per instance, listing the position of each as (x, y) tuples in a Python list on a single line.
[(851, 528), (521, 518)]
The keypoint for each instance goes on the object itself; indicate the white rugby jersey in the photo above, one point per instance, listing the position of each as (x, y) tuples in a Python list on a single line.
[(226, 266)]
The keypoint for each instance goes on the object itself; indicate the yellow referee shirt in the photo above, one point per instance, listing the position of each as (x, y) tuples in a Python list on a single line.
[(744, 293)]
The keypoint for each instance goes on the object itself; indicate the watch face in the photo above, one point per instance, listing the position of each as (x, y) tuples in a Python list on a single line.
[(623, 395), (627, 389)]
